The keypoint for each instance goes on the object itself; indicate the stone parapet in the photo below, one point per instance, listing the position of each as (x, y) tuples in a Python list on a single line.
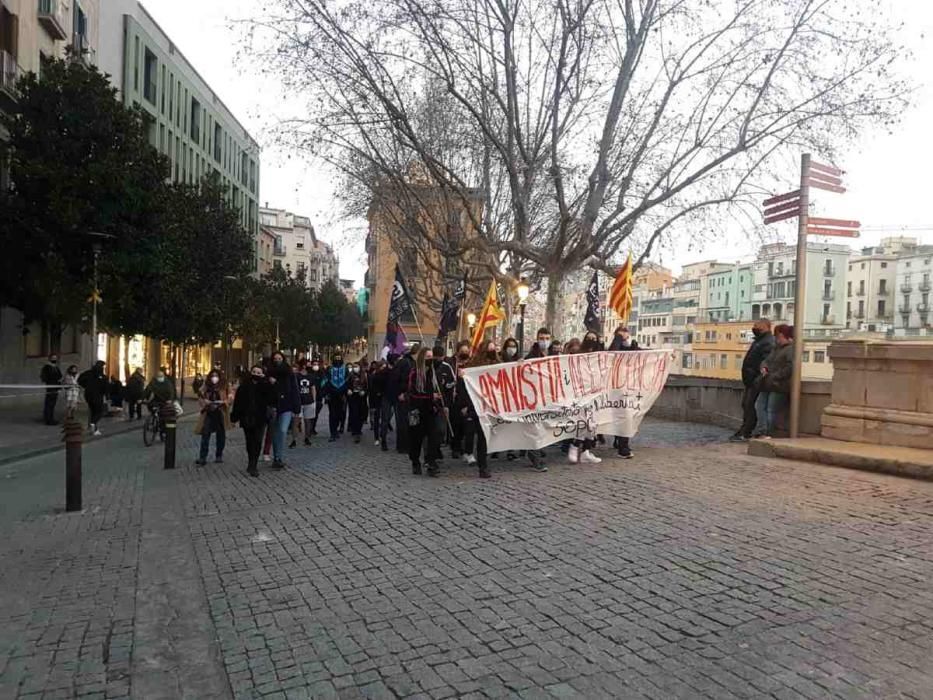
[(882, 393)]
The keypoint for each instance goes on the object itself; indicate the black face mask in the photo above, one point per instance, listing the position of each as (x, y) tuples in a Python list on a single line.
[(255, 378), (338, 363), (757, 333)]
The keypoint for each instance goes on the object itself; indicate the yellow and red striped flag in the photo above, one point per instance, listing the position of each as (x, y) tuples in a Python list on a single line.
[(620, 298), (489, 317)]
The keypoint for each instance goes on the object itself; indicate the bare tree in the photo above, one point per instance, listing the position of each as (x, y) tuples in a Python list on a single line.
[(588, 126)]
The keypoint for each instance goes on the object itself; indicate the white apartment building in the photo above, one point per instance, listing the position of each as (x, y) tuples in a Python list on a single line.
[(871, 293), (914, 285), (296, 248)]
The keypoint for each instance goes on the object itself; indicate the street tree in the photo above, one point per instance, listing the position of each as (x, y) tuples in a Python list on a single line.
[(337, 321), (590, 128), (79, 163)]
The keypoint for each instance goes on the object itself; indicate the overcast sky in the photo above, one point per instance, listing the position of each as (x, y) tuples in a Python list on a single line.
[(888, 175)]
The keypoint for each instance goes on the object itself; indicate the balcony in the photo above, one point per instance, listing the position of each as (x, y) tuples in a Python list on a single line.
[(904, 309), (829, 271), (278, 250), (860, 293), (907, 288), (882, 292), (858, 314), (924, 287), (9, 74), (53, 18), (923, 308), (81, 51), (828, 320), (829, 296)]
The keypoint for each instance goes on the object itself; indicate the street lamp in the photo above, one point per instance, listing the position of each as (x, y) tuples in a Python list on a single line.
[(96, 247), (471, 319), (522, 291)]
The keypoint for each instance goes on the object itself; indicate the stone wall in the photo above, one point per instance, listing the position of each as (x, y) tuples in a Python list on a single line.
[(882, 393), (719, 402)]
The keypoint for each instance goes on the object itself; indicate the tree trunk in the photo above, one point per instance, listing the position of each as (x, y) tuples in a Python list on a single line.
[(553, 294), (126, 357)]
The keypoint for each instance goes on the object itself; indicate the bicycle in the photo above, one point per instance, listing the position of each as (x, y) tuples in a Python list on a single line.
[(153, 425)]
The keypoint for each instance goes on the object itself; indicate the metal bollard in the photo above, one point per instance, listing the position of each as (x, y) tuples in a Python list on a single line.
[(72, 434), (170, 421)]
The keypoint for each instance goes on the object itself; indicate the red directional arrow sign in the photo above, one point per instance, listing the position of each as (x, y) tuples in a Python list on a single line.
[(781, 198), (838, 223), (816, 168), (825, 186), (780, 217), (845, 233), (793, 205)]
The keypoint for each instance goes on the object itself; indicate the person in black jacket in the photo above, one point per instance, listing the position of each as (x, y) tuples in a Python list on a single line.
[(254, 401), (288, 404), (542, 346), (760, 348), (458, 362), (51, 376), (316, 373), (622, 340), (356, 401), (398, 382), (96, 385), (377, 380), (424, 404), (135, 387)]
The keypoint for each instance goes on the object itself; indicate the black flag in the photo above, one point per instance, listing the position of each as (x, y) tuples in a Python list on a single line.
[(449, 311), (591, 320), (460, 291), (400, 301)]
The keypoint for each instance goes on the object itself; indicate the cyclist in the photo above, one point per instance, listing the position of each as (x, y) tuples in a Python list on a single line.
[(162, 391)]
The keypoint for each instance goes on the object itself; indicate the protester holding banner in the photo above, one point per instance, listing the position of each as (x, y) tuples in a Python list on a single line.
[(474, 440), (457, 363), (622, 339), (542, 345), (424, 405)]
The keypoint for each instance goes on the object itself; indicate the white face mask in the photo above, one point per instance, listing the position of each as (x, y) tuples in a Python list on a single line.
[(315, 367), (214, 380), (509, 352), (543, 344)]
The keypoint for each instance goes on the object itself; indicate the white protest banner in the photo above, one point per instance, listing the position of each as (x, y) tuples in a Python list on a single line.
[(534, 403)]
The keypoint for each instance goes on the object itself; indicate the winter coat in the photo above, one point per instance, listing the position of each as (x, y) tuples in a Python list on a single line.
[(535, 352), (446, 381), (253, 402), (780, 365), (162, 392), (95, 384), (423, 397), (357, 388), (51, 374), (398, 379), (206, 398), (72, 390), (135, 387), (378, 382), (336, 381), (286, 390), (756, 354)]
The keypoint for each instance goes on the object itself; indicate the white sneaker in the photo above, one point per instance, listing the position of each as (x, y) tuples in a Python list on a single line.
[(589, 458), (267, 458), (573, 454), (97, 433), (378, 444), (470, 459)]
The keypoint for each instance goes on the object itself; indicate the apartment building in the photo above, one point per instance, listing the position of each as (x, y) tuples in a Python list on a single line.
[(650, 280), (294, 240), (871, 293), (189, 123), (728, 293), (323, 264), (914, 285)]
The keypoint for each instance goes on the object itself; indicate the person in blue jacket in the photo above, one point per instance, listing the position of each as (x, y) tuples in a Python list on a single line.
[(336, 384)]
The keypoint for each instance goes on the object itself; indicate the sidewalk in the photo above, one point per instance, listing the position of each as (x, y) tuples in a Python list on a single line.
[(24, 435)]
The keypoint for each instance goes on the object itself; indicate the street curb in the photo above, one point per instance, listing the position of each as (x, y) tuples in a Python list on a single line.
[(852, 458), (60, 444)]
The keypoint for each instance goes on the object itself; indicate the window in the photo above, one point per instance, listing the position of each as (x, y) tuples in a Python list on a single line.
[(312, 276), (848, 309), (70, 341), (819, 356), (806, 355), (863, 266), (163, 90), (195, 120), (881, 309), (686, 362), (37, 339), (150, 73), (825, 311), (723, 362), (861, 308), (884, 266), (849, 289), (218, 142), (883, 287), (737, 361), (861, 288), (136, 63)]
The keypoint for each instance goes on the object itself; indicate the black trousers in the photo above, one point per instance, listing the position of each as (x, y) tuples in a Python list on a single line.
[(425, 434), (48, 408), (356, 406), (96, 408), (386, 411), (136, 408), (336, 412), (458, 423), (749, 415), (401, 426), (253, 437)]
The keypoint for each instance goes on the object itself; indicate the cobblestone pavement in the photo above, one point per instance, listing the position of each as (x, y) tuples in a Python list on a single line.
[(692, 571)]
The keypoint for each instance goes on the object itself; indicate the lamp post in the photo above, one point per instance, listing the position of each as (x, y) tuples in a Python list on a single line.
[(471, 319), (96, 247), (522, 291)]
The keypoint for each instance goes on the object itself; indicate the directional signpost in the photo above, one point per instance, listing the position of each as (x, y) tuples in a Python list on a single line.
[(796, 204)]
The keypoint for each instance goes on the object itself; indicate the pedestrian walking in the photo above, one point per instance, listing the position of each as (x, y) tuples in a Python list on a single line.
[(377, 382), (318, 379), (356, 402), (775, 380), (581, 450), (51, 376), (253, 404), (72, 390), (336, 385), (95, 385), (458, 362), (197, 383), (424, 404), (622, 341), (398, 385), (475, 449), (760, 348), (116, 394), (214, 417), (307, 390), (135, 388), (288, 404)]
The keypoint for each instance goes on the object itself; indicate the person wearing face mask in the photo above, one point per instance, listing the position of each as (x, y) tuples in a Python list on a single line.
[(458, 362), (253, 402), (756, 354), (474, 442), (510, 350), (213, 418), (95, 384), (336, 386), (51, 376), (72, 390), (376, 381), (288, 404), (307, 389), (318, 380), (425, 402), (591, 343), (446, 383), (356, 402), (398, 383), (541, 346), (622, 340)]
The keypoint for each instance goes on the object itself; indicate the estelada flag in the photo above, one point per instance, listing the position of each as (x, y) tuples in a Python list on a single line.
[(620, 298), (489, 317)]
